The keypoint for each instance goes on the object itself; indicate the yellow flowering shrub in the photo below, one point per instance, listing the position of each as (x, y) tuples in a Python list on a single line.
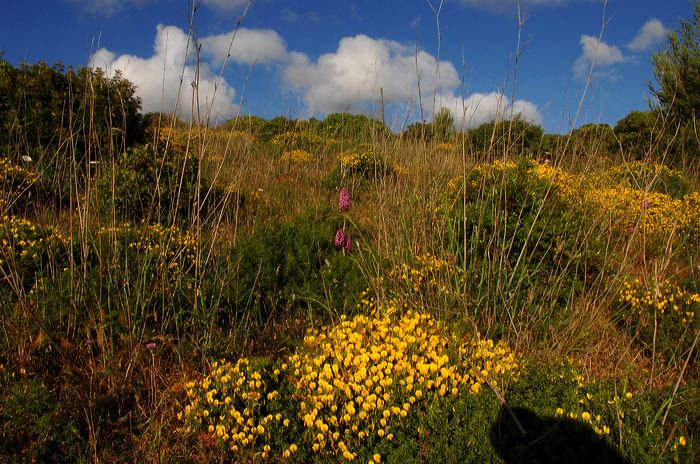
[(300, 139), (237, 407), (168, 249), (297, 156), (663, 314), (444, 147), (26, 247), (429, 275), (630, 207), (14, 181), (346, 390), (363, 162)]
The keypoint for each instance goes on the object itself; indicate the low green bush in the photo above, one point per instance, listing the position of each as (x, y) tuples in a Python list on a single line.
[(292, 266)]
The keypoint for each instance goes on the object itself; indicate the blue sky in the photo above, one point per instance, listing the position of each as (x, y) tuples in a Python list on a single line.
[(308, 58)]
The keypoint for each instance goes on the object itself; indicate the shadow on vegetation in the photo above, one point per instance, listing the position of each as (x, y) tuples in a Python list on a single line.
[(548, 440)]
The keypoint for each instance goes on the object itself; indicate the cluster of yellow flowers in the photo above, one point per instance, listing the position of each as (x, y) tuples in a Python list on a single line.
[(246, 138), (667, 297), (358, 379), (173, 247), (444, 147), (428, 274), (235, 406), (629, 208), (349, 387), (640, 174), (366, 161), (10, 172), (22, 241), (14, 180), (296, 138), (297, 156), (174, 137)]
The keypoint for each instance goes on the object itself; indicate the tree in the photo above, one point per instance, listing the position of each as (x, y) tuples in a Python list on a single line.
[(677, 71)]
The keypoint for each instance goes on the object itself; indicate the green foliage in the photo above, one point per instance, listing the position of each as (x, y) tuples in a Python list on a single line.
[(521, 233), (676, 71), (44, 108), (450, 431), (288, 267), (357, 127), (639, 133), (610, 410), (34, 425), (651, 177), (152, 185), (249, 123), (441, 129), (514, 136), (595, 136)]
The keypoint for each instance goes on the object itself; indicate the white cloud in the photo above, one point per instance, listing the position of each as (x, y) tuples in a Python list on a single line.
[(479, 108), (249, 46), (598, 54), (107, 7), (651, 33), (157, 78), (225, 5), (352, 77)]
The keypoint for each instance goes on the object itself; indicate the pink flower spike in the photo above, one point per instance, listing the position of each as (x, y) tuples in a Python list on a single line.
[(344, 200), (339, 238), (348, 242)]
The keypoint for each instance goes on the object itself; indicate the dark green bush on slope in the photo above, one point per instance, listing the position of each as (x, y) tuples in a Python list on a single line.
[(287, 267)]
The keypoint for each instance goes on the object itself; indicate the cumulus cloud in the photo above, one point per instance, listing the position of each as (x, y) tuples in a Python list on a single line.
[(480, 108), (248, 47), (157, 78), (352, 76), (596, 53), (651, 33)]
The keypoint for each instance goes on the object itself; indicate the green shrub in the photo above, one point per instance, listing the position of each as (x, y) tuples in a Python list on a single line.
[(148, 184), (663, 318), (34, 425), (522, 235), (286, 267), (651, 177)]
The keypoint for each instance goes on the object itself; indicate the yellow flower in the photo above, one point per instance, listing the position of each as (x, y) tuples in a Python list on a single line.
[(681, 440)]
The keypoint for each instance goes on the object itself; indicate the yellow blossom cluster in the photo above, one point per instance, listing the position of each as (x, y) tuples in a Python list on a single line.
[(665, 298), (175, 249), (23, 242), (296, 138), (14, 180), (356, 380), (348, 388), (629, 208), (444, 147), (234, 406), (246, 138), (428, 274), (589, 403), (363, 161), (297, 156)]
